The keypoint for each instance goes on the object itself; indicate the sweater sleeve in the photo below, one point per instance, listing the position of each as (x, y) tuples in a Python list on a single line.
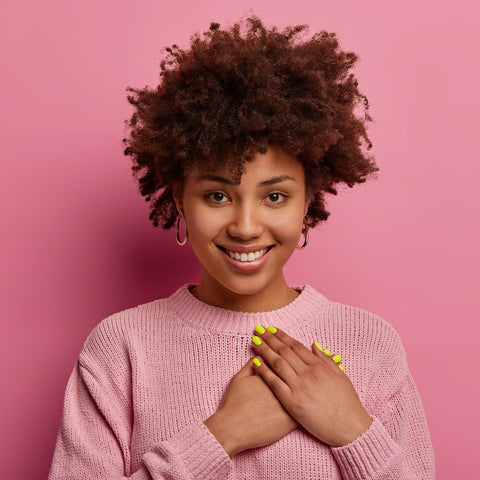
[(397, 445), (96, 430)]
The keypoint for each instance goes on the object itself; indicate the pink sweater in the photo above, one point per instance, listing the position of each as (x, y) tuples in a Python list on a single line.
[(148, 377)]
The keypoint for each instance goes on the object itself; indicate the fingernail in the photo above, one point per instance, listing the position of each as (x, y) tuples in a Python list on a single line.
[(256, 340), (327, 352), (256, 362), (271, 329), (337, 358), (318, 346), (340, 367), (259, 329)]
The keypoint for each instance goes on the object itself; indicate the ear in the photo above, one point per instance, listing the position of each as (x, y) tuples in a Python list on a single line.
[(177, 193), (308, 200)]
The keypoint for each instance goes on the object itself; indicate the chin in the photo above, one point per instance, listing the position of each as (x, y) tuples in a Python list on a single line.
[(247, 287)]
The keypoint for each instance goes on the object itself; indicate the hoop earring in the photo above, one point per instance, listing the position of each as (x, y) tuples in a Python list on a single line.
[(305, 233), (185, 240)]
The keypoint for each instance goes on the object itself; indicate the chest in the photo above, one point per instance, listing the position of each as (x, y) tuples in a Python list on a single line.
[(174, 387)]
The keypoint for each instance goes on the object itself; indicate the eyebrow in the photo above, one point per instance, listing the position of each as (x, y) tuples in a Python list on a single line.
[(265, 183)]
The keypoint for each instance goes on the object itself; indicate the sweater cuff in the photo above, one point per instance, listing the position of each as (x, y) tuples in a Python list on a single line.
[(372, 452), (194, 453), (198, 449)]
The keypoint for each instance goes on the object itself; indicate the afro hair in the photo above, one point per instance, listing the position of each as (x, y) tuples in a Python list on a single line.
[(236, 91)]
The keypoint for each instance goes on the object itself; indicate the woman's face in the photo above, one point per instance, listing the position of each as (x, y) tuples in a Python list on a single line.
[(244, 234)]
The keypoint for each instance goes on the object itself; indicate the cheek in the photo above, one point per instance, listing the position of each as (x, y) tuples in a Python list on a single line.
[(202, 225), (287, 228)]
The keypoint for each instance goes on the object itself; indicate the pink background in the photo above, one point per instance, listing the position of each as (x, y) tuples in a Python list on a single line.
[(77, 244)]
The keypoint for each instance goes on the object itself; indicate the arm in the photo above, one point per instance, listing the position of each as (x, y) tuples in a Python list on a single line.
[(384, 437), (97, 425), (93, 442), (397, 445)]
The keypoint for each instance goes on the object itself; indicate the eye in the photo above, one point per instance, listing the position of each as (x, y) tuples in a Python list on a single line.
[(217, 197), (276, 197)]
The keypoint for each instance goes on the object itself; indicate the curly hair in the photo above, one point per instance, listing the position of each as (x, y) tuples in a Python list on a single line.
[(235, 92)]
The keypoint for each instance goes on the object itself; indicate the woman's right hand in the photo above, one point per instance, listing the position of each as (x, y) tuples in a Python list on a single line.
[(249, 414)]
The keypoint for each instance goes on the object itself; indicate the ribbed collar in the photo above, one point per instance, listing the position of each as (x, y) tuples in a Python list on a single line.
[(197, 314)]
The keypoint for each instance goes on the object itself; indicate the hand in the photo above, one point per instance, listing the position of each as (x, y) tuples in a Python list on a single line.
[(249, 414), (312, 388)]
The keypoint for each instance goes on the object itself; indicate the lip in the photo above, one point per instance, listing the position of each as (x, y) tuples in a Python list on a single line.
[(240, 249), (246, 267)]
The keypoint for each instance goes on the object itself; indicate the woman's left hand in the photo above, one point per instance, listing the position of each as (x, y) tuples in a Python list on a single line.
[(311, 388)]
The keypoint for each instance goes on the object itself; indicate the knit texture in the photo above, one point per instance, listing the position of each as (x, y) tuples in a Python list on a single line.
[(147, 378)]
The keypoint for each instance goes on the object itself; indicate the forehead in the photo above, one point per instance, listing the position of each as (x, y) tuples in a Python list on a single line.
[(274, 163)]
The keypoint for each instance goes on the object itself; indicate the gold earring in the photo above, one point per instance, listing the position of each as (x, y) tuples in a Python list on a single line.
[(184, 241), (305, 233)]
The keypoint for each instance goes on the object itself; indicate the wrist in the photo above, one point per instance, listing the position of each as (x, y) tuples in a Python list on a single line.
[(356, 431), (224, 432)]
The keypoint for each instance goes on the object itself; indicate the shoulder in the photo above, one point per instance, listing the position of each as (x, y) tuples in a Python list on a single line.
[(368, 324), (366, 330), (115, 336), (371, 347), (373, 342)]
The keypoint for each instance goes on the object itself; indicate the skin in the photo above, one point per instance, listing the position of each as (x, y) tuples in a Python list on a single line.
[(292, 384), (251, 215), (307, 382)]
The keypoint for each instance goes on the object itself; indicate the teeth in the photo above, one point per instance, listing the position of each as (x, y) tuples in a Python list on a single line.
[(246, 257)]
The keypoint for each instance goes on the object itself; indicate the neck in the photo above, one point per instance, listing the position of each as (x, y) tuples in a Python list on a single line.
[(274, 296)]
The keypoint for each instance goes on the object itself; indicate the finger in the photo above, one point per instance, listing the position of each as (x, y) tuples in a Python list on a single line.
[(279, 388), (325, 354), (279, 363), (276, 338)]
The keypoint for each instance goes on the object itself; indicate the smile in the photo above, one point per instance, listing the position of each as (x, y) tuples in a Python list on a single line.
[(246, 256)]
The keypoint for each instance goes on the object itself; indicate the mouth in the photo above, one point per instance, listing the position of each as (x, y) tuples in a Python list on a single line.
[(246, 257)]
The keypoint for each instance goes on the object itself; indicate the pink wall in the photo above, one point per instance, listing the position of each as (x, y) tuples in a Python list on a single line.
[(77, 244)]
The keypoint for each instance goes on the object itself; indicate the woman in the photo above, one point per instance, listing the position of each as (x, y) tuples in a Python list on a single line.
[(242, 138)]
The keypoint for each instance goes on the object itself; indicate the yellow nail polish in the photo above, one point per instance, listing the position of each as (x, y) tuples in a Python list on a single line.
[(318, 346), (340, 367), (327, 352), (259, 329), (256, 362), (271, 329), (256, 340), (337, 358)]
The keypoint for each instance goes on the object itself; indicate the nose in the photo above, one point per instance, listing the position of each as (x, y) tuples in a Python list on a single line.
[(246, 222)]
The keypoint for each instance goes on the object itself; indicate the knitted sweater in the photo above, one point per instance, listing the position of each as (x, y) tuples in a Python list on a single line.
[(147, 378)]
